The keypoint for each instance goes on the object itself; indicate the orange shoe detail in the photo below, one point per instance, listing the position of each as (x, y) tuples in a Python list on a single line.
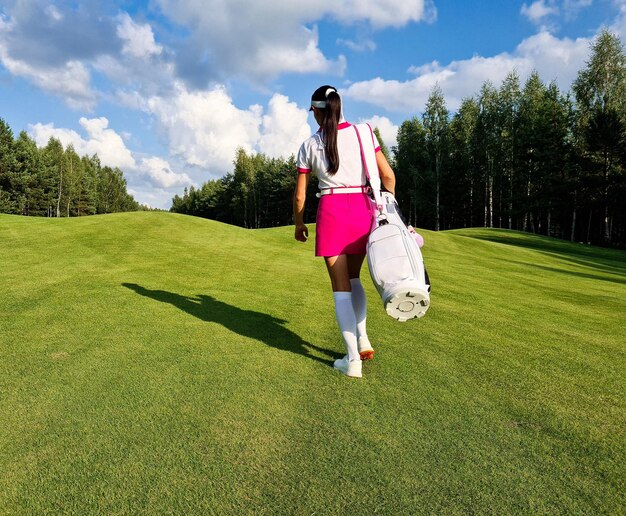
[(368, 354)]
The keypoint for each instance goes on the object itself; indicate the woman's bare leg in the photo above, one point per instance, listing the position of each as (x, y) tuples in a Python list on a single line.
[(339, 272), (355, 262)]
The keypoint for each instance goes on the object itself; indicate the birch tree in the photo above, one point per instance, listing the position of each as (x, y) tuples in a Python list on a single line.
[(509, 101), (436, 124), (488, 139)]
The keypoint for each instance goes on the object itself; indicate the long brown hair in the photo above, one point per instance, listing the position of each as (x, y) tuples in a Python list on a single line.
[(332, 114)]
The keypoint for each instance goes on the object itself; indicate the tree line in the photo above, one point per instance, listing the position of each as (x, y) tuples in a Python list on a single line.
[(526, 157), (258, 193), (519, 156), (53, 181)]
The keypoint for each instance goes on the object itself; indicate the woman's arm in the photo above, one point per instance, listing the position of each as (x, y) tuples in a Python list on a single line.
[(299, 198), (387, 177)]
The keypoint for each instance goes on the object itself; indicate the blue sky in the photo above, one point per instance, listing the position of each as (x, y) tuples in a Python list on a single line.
[(167, 89)]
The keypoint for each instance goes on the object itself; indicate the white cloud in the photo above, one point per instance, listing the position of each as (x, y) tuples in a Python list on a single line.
[(58, 54), (538, 10), (202, 129), (205, 128), (142, 69), (151, 196), (106, 143), (283, 128), (263, 39), (134, 80), (388, 130), (161, 173), (100, 140), (619, 25), (274, 57), (555, 59), (138, 39), (70, 80), (361, 45), (53, 13), (131, 99), (545, 13), (398, 96), (41, 133), (112, 151), (382, 13), (571, 8), (213, 41)]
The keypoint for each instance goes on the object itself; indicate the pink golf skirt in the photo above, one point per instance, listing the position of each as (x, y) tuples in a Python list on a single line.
[(343, 224)]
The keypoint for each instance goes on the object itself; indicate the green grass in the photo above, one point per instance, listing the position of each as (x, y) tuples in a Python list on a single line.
[(158, 363)]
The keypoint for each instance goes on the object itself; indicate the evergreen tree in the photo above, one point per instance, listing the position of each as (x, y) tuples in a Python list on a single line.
[(112, 195), (600, 91), (465, 158), (24, 183), (7, 166), (509, 103), (552, 159), (86, 203), (412, 180), (53, 181), (530, 143)]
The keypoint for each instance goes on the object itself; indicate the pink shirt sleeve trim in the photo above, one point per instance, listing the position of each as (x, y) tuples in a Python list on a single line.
[(377, 149), (304, 170)]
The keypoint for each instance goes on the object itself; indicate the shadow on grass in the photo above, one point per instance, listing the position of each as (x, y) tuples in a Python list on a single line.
[(612, 261), (247, 323), (595, 277)]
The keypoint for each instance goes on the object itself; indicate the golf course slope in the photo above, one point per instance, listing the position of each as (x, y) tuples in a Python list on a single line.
[(159, 363)]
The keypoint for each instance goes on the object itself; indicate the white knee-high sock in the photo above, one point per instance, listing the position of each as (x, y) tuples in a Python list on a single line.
[(359, 304), (347, 322)]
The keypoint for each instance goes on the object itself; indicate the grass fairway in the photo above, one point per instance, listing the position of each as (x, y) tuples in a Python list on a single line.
[(157, 363)]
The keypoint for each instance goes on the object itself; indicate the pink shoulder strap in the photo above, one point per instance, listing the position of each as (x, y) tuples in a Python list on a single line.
[(372, 135), (367, 173), (377, 198)]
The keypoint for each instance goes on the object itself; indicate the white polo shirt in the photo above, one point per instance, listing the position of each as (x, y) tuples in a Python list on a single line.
[(312, 156)]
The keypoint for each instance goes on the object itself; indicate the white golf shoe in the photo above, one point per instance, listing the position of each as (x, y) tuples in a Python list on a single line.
[(350, 368)]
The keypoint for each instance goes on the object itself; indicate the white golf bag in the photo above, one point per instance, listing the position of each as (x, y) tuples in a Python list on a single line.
[(393, 255), (396, 264)]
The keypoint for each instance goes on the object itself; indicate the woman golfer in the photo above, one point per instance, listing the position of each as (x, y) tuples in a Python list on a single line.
[(344, 216)]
